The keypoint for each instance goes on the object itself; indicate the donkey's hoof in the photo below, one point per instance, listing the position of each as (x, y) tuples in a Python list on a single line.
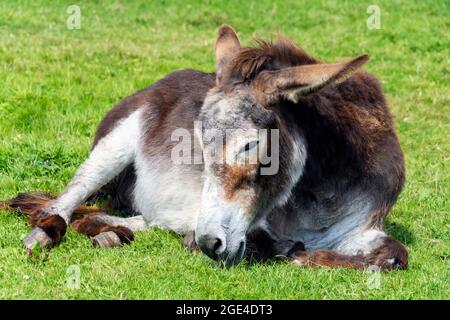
[(37, 236), (108, 239)]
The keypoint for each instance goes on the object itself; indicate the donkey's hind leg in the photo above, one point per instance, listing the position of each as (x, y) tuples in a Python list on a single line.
[(378, 249), (109, 231), (390, 255), (112, 154), (357, 246), (370, 248)]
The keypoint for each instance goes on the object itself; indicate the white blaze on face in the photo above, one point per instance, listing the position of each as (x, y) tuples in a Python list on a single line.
[(221, 218)]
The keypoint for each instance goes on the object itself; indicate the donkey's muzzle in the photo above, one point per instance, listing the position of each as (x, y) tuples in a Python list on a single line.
[(215, 248), (211, 246)]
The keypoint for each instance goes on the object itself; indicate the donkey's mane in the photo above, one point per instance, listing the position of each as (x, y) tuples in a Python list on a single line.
[(267, 55)]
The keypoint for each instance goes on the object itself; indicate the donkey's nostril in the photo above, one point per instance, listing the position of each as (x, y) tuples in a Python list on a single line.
[(211, 246), (217, 245)]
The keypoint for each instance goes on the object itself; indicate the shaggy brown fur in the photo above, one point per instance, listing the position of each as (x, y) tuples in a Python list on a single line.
[(54, 226), (85, 219), (32, 203), (93, 225), (390, 249), (250, 61)]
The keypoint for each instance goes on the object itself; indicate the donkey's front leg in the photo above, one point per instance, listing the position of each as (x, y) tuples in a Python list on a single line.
[(109, 157)]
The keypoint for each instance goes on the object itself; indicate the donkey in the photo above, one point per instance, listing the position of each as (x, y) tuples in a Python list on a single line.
[(340, 165)]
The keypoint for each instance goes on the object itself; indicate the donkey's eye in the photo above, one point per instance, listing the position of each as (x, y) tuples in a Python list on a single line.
[(250, 145)]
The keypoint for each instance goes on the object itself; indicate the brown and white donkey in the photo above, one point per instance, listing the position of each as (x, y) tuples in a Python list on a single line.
[(339, 166)]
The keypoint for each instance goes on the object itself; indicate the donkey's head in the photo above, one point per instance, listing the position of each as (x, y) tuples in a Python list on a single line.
[(241, 126)]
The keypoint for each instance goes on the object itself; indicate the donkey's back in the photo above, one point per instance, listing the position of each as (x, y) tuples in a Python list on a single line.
[(172, 102), (178, 96)]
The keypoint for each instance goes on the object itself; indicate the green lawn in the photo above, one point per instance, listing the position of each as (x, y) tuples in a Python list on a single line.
[(56, 84)]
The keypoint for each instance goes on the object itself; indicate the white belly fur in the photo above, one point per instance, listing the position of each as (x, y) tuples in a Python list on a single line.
[(168, 196)]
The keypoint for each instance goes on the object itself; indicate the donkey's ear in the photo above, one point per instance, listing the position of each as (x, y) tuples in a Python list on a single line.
[(227, 44), (295, 82)]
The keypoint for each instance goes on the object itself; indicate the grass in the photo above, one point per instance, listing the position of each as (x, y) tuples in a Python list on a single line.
[(56, 85)]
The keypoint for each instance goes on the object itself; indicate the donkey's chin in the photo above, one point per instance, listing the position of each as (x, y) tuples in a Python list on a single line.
[(231, 258)]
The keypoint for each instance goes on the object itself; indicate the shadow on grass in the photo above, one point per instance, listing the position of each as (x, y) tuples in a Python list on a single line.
[(400, 232)]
